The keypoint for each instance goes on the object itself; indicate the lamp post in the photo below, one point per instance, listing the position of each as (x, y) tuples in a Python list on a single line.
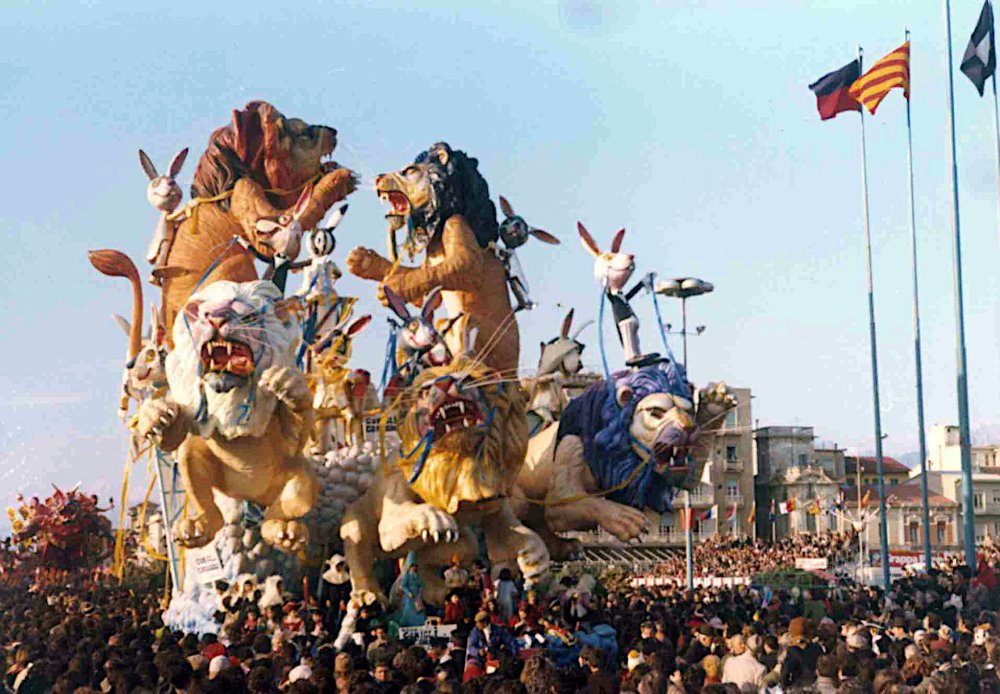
[(682, 288)]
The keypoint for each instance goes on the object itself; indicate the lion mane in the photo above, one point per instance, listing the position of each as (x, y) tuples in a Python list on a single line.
[(246, 148), (244, 410), (469, 466), (459, 188), (603, 427)]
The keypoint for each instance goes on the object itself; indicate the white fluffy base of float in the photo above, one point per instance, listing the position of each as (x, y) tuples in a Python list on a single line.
[(343, 476)]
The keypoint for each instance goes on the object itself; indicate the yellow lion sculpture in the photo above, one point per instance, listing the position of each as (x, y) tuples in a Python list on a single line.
[(238, 412), (463, 439)]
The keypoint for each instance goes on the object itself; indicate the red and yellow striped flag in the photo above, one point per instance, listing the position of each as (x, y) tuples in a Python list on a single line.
[(886, 74)]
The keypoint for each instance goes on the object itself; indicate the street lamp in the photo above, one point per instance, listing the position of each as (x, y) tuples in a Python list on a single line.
[(682, 288)]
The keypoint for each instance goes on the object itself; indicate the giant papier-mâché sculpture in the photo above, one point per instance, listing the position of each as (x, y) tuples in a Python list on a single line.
[(254, 170), (463, 435), (443, 202), (618, 451), (238, 412)]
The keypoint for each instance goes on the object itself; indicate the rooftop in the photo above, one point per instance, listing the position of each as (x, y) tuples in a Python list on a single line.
[(908, 494), (869, 465)]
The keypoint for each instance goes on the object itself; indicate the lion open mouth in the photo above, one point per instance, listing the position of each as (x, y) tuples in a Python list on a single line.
[(454, 414), (227, 356), (399, 204), (669, 457)]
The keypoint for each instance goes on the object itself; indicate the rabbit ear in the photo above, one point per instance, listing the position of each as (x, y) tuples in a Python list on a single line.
[(177, 162), (357, 326), (303, 201), (122, 323), (588, 240), (544, 236), (567, 324), (505, 207), (616, 243), (147, 165), (396, 303), (431, 303)]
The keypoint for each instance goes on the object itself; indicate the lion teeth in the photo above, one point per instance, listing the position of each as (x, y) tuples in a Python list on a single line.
[(461, 407)]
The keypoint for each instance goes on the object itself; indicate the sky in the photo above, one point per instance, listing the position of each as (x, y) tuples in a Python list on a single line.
[(688, 123)]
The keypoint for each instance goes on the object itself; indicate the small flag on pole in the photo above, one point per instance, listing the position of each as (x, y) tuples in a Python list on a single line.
[(688, 518), (833, 91), (731, 514), (886, 74), (980, 59), (786, 507), (866, 498), (753, 512), (710, 513), (770, 514)]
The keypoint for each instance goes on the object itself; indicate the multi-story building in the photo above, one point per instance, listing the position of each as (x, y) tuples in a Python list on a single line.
[(944, 477), (789, 467), (904, 516)]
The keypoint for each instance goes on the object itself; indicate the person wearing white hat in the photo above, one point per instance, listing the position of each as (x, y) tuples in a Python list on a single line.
[(635, 659), (300, 672), (216, 665)]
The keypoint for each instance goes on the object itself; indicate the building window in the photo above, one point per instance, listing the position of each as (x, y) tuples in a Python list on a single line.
[(978, 503), (914, 533), (803, 459), (940, 533), (996, 496), (732, 489), (996, 528), (731, 453), (893, 482), (980, 533), (731, 419)]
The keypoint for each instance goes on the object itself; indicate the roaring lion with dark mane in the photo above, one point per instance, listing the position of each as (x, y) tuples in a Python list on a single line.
[(443, 202), (253, 169), (463, 437)]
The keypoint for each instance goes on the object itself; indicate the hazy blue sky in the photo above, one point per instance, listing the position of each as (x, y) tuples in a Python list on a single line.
[(688, 123)]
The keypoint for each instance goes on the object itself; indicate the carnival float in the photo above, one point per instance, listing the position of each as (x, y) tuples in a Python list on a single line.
[(270, 451)]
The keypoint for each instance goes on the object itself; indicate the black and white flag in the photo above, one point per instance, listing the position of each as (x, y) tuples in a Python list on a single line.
[(980, 59)]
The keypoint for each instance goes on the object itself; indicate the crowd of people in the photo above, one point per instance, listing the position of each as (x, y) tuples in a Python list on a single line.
[(935, 632), (725, 556)]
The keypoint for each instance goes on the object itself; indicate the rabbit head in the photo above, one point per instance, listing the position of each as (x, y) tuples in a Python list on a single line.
[(515, 232), (284, 234), (163, 192), (418, 333), (613, 269), (145, 371), (334, 349), (563, 354), (321, 240)]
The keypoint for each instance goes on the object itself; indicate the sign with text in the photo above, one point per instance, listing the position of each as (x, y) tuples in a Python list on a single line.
[(423, 635), (812, 563), (205, 561)]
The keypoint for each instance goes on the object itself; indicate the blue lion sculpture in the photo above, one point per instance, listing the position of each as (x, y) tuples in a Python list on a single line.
[(620, 447)]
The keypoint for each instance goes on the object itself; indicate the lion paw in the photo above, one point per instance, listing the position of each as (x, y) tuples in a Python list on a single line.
[(624, 522), (195, 532), (423, 521), (714, 400), (155, 418), (287, 535), (533, 557), (367, 264), (288, 386)]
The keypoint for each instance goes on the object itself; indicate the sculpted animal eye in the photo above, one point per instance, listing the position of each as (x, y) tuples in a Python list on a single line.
[(150, 356), (657, 412), (410, 170)]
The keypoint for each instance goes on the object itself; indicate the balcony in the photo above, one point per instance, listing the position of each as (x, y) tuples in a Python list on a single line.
[(734, 499), (733, 465), (697, 499)]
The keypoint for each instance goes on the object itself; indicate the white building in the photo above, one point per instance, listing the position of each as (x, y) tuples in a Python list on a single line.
[(944, 477)]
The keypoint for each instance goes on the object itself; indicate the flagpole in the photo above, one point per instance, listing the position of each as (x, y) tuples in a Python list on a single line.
[(961, 372), (916, 337), (688, 539), (883, 532), (996, 131)]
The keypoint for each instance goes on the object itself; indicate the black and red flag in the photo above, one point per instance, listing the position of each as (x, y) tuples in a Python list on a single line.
[(833, 91)]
